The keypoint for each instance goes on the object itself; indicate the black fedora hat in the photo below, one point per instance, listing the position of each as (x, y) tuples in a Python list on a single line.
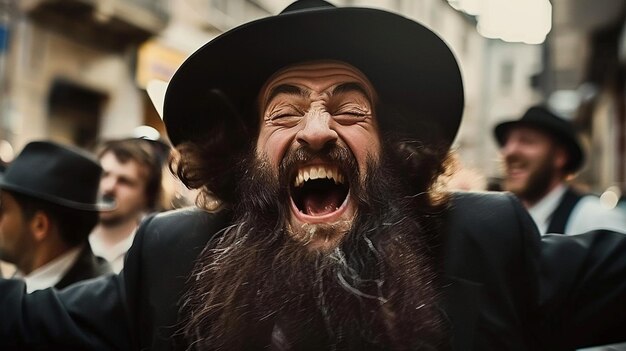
[(413, 71), (543, 118), (55, 173)]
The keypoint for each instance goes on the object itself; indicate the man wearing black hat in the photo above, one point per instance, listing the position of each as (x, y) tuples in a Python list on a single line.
[(325, 153), (48, 207), (540, 152)]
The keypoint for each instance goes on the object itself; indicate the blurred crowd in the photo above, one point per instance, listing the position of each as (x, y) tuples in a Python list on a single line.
[(302, 256), (127, 178), (540, 155)]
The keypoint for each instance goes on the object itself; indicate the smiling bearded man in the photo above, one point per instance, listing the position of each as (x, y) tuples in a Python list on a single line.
[(334, 243), (322, 131)]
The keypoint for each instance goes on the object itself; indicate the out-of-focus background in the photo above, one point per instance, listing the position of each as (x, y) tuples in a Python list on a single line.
[(75, 71)]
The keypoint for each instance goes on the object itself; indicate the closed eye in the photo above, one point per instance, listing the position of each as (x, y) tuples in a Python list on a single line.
[(349, 113), (286, 116), (353, 113)]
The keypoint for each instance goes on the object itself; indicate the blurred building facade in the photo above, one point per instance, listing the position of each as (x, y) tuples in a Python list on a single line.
[(71, 77), (76, 70), (585, 76)]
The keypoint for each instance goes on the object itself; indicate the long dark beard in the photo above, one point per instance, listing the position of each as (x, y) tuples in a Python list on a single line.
[(258, 288)]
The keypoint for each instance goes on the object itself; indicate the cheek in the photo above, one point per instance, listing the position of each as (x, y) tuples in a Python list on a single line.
[(137, 194), (273, 144), (362, 142), (7, 231), (536, 156), (125, 194)]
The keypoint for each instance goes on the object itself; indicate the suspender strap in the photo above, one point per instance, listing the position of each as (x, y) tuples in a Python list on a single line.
[(561, 214)]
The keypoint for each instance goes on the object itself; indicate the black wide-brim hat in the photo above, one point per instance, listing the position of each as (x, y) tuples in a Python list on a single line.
[(542, 118), (413, 71), (56, 173)]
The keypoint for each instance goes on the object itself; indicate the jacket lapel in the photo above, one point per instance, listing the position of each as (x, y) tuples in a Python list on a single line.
[(86, 266)]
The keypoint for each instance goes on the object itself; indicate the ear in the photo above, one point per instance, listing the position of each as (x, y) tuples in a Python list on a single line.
[(560, 157), (40, 225)]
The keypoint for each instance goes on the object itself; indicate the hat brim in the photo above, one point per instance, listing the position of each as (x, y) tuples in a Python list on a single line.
[(413, 71), (97, 207)]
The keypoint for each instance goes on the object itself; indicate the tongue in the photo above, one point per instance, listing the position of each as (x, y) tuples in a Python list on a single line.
[(321, 203)]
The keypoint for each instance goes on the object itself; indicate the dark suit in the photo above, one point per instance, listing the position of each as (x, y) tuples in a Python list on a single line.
[(506, 290), (87, 266)]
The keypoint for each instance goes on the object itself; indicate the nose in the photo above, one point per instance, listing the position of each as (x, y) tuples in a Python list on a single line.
[(317, 131), (509, 146), (107, 184)]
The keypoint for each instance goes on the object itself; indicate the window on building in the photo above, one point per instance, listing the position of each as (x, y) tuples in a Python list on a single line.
[(74, 113)]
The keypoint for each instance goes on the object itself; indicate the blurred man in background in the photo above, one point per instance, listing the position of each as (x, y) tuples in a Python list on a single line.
[(540, 152), (48, 207), (132, 179)]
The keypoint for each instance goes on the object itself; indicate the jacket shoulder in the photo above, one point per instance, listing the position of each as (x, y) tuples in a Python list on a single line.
[(170, 241), (488, 225), (481, 207), (492, 214), (185, 227)]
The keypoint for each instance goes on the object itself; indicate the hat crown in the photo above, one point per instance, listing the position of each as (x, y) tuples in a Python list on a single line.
[(541, 112), (55, 173), (212, 97)]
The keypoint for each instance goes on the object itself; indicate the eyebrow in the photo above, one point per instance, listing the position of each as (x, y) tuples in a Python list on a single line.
[(286, 89), (350, 87)]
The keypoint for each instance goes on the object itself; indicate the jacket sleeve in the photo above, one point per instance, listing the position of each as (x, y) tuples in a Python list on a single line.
[(90, 315), (85, 316), (583, 289)]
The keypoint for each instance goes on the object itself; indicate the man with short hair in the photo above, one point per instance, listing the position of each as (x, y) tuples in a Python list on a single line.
[(332, 234), (540, 151), (48, 207), (132, 173)]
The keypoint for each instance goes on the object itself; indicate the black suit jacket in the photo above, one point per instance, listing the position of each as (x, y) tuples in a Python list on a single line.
[(87, 266), (508, 289)]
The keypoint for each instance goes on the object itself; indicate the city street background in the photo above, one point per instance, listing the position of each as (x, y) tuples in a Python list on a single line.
[(76, 71)]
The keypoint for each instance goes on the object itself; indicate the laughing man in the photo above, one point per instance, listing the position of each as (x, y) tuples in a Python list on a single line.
[(322, 130)]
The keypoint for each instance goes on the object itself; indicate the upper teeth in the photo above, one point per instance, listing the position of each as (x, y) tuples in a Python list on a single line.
[(318, 172)]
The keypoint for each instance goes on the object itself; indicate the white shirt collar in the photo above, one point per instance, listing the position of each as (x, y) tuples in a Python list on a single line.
[(52, 272), (113, 254), (542, 211)]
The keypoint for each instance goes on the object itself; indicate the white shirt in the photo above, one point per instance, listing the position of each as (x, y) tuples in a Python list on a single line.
[(113, 254), (542, 211), (50, 273), (588, 214)]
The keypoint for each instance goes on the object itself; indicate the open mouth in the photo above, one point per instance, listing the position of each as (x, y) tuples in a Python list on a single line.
[(515, 168), (319, 191)]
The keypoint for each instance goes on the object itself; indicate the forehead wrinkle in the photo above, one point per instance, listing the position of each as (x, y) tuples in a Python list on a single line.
[(314, 72)]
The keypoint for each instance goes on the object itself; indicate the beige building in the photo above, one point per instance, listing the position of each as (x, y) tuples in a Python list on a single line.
[(70, 71), (81, 78)]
